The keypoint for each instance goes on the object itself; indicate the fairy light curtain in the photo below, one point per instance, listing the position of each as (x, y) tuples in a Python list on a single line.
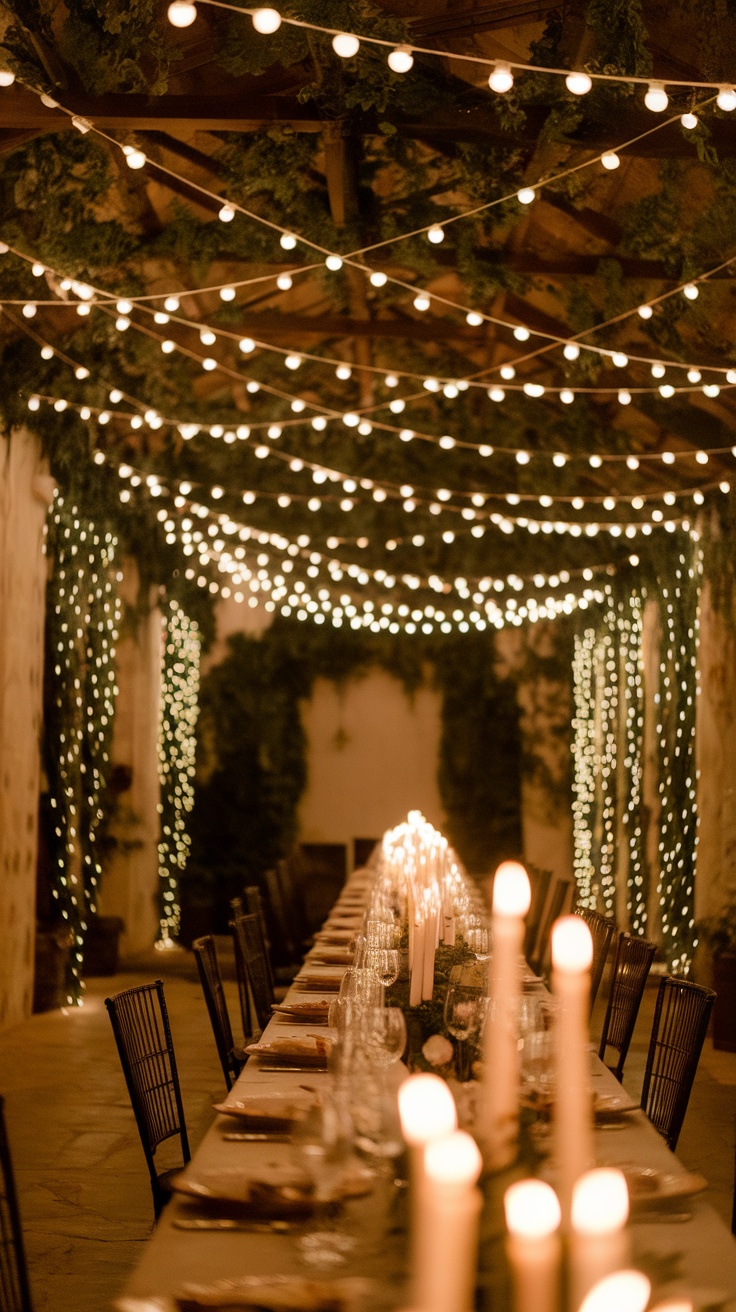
[(176, 758), (83, 618), (608, 733)]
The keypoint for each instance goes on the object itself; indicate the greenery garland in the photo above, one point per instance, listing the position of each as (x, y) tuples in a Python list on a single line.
[(83, 618), (252, 767)]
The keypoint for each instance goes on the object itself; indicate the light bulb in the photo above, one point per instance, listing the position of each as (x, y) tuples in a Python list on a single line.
[(624, 397), (600, 1202), (181, 13), (610, 160), (645, 312), (135, 159), (160, 317), (690, 291), (511, 890), (124, 307), (266, 21), (345, 45), (6, 77), (522, 334), (626, 1291), (284, 282), (227, 293), (391, 380), (474, 319), (171, 304), (526, 195), (333, 263), (29, 310), (566, 396), (666, 390), (287, 241), (401, 60), (658, 371), (689, 121), (726, 99), (246, 345), (571, 351), (436, 234), (226, 214), (421, 302), (532, 1209), (207, 337), (533, 389), (656, 98), (426, 1109), (122, 323), (572, 945), (378, 279), (37, 270), (578, 83), (293, 361), (501, 78), (343, 372), (619, 359), (209, 364)]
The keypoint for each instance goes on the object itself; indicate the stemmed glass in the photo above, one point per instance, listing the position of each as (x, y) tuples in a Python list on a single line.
[(384, 1034), (463, 1018), (322, 1145), (384, 962)]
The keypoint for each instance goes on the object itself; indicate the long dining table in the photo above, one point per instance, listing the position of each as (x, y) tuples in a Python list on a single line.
[(684, 1247)]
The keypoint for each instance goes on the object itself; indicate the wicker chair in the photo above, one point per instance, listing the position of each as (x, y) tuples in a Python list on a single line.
[(140, 1023), (602, 929), (631, 966), (250, 951), (232, 1059), (557, 902), (681, 1018), (540, 881), (15, 1293)]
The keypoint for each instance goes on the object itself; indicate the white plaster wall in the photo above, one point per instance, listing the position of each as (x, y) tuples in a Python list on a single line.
[(372, 757), (25, 491)]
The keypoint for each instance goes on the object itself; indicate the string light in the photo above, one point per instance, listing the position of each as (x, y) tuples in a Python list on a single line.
[(83, 620), (176, 757)]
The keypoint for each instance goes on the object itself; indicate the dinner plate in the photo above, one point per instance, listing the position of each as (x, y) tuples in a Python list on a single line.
[(277, 1189), (648, 1185), (276, 1111), (274, 1294), (311, 1051), (309, 1013)]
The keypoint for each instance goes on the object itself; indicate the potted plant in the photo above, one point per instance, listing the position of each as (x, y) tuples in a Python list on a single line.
[(719, 932)]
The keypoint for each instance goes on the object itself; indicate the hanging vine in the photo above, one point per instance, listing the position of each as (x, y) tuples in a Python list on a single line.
[(83, 617)]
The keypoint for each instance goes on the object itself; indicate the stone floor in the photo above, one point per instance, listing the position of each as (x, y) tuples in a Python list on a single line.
[(84, 1193)]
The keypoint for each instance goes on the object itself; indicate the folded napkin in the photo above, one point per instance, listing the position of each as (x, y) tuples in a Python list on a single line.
[(331, 957), (273, 1293), (314, 1013), (270, 1112), (313, 1050), (318, 983)]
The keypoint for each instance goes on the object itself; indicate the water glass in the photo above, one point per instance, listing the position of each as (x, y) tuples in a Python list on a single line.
[(322, 1145)]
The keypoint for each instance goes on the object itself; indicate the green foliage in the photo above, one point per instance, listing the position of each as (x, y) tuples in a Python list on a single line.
[(252, 750)]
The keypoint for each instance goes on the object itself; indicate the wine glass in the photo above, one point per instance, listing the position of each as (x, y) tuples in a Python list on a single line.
[(360, 985), (463, 1017), (322, 1144), (384, 1034), (384, 962)]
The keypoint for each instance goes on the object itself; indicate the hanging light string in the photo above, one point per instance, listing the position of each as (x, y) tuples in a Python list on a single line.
[(189, 429), (346, 45), (293, 596), (335, 262), (179, 710)]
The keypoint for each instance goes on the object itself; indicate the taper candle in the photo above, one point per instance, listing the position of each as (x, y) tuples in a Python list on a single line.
[(449, 1214), (533, 1245), (427, 1111), (500, 1095), (625, 1291), (599, 1244), (572, 954)]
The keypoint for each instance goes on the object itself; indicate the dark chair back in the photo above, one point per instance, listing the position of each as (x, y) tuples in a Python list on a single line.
[(205, 955), (680, 1023), (602, 930), (15, 1293), (556, 904), (249, 942), (733, 1213), (286, 936), (540, 881), (290, 873), (254, 906), (631, 966), (140, 1023)]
